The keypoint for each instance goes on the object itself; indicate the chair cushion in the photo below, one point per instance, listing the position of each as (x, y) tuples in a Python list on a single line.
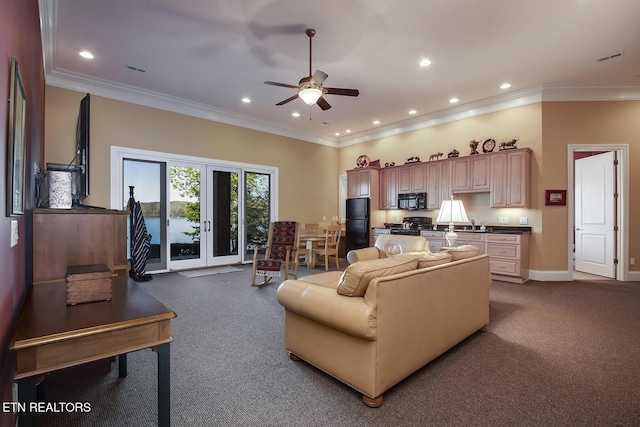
[(268, 264), (461, 252), (356, 277), (429, 259)]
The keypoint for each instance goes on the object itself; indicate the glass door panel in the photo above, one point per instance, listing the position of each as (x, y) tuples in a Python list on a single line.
[(185, 216), (257, 207), (223, 219), (149, 181)]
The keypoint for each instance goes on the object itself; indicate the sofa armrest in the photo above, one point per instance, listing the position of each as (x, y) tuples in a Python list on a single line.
[(350, 315), (364, 254)]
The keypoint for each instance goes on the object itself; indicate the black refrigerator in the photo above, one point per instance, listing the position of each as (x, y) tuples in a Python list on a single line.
[(357, 226)]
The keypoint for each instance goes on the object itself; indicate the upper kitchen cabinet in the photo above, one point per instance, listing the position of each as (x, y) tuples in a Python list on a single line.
[(510, 178), (389, 188), (438, 183), (362, 183), (471, 174), (412, 178)]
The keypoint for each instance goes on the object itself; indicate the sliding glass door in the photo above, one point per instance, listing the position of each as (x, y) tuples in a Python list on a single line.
[(147, 183), (199, 212), (223, 216), (186, 213)]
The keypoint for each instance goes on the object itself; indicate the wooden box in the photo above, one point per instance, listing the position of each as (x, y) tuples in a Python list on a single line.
[(88, 283)]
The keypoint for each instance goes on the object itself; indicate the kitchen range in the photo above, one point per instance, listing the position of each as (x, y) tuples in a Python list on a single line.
[(411, 226)]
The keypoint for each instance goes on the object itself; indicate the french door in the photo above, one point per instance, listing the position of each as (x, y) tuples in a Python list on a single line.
[(200, 213)]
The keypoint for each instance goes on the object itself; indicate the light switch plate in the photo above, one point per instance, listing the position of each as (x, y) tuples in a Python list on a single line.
[(503, 220), (14, 232), (524, 220)]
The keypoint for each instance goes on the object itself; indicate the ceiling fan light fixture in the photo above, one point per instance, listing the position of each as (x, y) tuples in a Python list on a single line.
[(310, 95)]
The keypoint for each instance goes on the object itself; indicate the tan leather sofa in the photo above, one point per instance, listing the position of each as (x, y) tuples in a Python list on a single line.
[(387, 245), (399, 318)]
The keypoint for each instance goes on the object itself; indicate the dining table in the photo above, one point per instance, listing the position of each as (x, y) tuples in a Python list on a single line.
[(310, 239)]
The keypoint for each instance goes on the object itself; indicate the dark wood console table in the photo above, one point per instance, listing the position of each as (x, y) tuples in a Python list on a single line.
[(50, 335)]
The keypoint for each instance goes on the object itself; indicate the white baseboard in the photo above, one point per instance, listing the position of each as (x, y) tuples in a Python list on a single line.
[(559, 275), (549, 275)]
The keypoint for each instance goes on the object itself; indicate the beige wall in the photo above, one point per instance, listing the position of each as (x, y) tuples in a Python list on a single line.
[(614, 122), (547, 128), (308, 173)]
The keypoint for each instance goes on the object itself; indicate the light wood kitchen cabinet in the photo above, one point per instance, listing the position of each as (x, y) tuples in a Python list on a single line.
[(508, 256), (475, 239), (64, 237), (389, 188), (362, 182), (510, 179), (471, 174), (412, 178), (438, 183), (435, 239)]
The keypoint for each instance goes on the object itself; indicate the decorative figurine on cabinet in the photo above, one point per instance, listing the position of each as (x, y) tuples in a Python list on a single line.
[(389, 164), (454, 153), (474, 146), (435, 156), (414, 159), (508, 145), (488, 145)]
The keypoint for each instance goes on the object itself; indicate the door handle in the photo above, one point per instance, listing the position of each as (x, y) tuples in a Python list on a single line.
[(209, 222), (577, 229)]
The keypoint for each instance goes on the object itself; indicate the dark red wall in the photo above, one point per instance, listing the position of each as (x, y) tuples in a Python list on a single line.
[(19, 38)]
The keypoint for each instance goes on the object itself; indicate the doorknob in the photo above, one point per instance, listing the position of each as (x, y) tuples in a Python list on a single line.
[(577, 228)]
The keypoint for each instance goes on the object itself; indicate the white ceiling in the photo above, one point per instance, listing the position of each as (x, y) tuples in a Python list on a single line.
[(201, 57)]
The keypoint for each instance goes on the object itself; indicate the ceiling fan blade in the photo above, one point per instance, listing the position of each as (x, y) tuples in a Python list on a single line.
[(319, 77), (287, 100), (322, 103), (281, 84), (339, 91)]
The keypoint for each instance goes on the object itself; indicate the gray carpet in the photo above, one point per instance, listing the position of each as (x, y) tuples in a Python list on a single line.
[(556, 353)]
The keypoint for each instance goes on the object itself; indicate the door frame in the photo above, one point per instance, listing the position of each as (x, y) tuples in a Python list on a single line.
[(118, 154), (622, 211)]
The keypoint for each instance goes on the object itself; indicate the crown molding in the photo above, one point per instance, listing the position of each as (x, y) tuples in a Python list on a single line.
[(546, 92)]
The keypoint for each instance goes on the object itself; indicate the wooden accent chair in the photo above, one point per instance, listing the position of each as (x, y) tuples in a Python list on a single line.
[(331, 243), (281, 251)]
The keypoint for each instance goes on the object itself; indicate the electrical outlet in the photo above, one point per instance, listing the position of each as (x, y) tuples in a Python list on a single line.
[(524, 220), (14, 232), (632, 261), (503, 220)]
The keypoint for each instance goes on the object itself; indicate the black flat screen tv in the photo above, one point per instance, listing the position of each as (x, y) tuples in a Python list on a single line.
[(82, 147)]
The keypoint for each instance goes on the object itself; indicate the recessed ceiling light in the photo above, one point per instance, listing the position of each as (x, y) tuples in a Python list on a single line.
[(412, 111), (246, 100), (348, 131), (337, 133), (505, 85), (295, 114), (425, 63), (454, 100), (86, 54), (376, 122)]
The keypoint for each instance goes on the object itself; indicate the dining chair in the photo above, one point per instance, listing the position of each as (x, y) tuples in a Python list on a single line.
[(307, 228), (331, 244), (281, 251)]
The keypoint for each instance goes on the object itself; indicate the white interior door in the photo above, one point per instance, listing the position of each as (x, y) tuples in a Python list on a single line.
[(595, 215)]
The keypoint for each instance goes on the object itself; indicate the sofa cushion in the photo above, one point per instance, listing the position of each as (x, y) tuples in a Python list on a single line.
[(461, 252), (395, 244), (429, 259), (329, 279), (356, 277)]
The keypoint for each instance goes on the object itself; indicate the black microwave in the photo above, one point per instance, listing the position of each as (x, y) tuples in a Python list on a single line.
[(412, 201)]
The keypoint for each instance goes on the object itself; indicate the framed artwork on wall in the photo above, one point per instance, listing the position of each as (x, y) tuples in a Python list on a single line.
[(16, 145), (556, 198)]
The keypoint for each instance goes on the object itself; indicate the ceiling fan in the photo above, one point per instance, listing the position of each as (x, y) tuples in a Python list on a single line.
[(310, 88)]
